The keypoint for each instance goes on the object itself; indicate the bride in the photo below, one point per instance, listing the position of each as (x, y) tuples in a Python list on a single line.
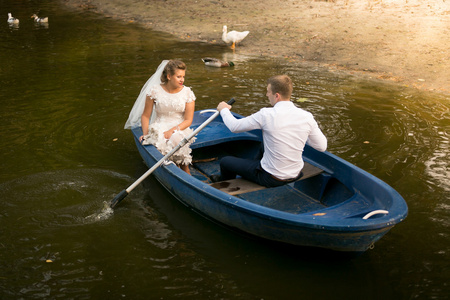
[(165, 109)]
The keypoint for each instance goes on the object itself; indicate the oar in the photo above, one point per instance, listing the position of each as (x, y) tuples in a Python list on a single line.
[(119, 197)]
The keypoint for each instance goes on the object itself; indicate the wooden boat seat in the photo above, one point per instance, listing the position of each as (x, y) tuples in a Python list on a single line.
[(240, 185)]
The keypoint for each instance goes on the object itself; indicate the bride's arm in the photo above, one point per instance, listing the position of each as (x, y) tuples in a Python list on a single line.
[(145, 118), (188, 115)]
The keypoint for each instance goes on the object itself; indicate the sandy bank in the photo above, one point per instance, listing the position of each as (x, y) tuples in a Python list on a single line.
[(406, 41)]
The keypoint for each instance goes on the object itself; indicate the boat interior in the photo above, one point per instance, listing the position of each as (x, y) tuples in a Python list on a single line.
[(315, 190)]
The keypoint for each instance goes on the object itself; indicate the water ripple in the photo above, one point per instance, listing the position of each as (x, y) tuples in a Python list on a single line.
[(61, 198)]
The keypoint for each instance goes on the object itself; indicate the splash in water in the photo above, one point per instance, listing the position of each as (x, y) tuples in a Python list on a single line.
[(106, 212)]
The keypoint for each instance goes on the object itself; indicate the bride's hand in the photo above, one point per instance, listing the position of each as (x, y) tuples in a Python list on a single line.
[(168, 133)]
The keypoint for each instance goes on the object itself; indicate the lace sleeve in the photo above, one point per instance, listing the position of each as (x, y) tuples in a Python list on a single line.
[(190, 96), (152, 92)]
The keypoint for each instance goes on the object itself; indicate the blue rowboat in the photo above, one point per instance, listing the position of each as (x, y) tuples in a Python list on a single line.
[(335, 205)]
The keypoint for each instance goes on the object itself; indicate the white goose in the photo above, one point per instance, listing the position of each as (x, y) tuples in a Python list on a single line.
[(233, 37), (12, 20), (39, 20)]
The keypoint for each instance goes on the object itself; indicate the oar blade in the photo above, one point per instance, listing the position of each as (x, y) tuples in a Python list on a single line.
[(119, 197)]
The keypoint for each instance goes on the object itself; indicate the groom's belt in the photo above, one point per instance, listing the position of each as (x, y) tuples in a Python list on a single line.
[(287, 180)]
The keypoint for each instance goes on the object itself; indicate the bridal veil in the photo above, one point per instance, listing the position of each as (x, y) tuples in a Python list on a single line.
[(134, 119)]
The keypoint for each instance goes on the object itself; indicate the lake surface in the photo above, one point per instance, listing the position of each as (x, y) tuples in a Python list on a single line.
[(65, 92)]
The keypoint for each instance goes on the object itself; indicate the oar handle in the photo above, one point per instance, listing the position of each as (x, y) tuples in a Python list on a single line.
[(119, 197), (203, 125)]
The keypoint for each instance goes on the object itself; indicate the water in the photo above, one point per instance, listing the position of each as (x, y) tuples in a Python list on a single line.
[(66, 91)]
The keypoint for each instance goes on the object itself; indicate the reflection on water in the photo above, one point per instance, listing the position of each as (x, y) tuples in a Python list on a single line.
[(66, 93), (437, 166)]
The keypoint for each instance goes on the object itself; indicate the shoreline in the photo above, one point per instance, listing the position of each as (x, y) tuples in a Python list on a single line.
[(401, 41)]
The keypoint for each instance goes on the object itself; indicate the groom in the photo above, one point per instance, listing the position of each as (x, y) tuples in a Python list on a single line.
[(286, 129)]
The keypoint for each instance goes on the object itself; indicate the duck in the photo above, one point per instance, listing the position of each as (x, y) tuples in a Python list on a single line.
[(214, 62), (12, 20), (39, 20), (233, 37)]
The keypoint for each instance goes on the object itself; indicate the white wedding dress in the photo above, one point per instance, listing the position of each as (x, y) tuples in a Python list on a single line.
[(170, 110)]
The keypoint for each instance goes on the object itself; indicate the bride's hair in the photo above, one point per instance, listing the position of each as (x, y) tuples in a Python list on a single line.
[(170, 69)]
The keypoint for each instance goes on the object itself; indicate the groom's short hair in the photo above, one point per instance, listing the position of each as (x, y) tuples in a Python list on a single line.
[(281, 84)]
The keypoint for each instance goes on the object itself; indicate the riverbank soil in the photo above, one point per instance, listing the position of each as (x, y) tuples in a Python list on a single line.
[(405, 41)]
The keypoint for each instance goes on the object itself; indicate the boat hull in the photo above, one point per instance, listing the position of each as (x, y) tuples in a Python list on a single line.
[(336, 227)]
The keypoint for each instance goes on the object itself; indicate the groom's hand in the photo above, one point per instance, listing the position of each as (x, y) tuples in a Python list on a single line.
[(223, 105)]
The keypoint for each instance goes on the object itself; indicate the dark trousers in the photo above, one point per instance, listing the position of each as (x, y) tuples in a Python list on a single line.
[(249, 169)]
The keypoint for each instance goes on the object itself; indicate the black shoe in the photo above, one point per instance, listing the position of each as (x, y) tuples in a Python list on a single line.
[(215, 178)]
